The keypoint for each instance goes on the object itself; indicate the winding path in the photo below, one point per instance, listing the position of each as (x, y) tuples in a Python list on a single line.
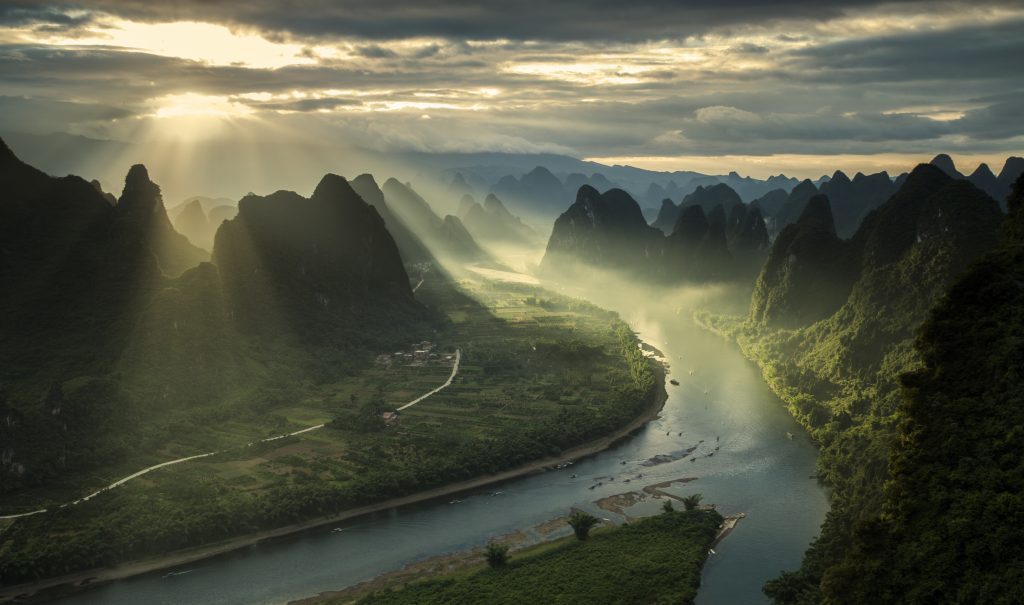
[(447, 383)]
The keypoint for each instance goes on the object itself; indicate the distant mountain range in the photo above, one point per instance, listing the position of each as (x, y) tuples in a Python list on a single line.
[(607, 231), (493, 223)]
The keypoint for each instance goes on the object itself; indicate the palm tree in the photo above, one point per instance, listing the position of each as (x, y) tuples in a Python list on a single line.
[(667, 507), (497, 554), (692, 502), (581, 523)]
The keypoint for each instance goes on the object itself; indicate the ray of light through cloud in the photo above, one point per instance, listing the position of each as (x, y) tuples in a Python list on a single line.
[(759, 91)]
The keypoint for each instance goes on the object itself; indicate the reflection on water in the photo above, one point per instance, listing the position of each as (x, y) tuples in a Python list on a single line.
[(720, 402)]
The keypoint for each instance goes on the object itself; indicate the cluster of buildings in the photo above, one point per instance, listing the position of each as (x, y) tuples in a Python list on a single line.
[(419, 353)]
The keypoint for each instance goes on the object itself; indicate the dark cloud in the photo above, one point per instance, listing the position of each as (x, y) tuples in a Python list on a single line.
[(50, 18), (748, 48), (50, 115), (306, 104), (990, 51), (375, 51), (1000, 120), (730, 123), (594, 20)]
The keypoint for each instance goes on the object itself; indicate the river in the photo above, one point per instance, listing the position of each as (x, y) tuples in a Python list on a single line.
[(758, 470)]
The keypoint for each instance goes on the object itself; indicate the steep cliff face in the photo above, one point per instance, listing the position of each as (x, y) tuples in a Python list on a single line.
[(931, 214), (318, 265), (852, 200), (747, 231), (603, 230), (141, 215), (77, 271), (608, 231), (1012, 170), (445, 237), (793, 207), (67, 248), (538, 192), (668, 214), (807, 274), (45, 224), (709, 197), (955, 463), (840, 373), (493, 223), (410, 246)]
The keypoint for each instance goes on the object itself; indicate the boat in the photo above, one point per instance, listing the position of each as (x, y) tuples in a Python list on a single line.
[(789, 435), (674, 381)]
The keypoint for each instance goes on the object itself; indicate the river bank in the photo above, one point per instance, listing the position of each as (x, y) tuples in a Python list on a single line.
[(666, 550), (63, 585), (466, 560)]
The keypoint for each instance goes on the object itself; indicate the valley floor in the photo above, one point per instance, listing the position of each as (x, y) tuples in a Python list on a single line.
[(513, 375), (63, 584)]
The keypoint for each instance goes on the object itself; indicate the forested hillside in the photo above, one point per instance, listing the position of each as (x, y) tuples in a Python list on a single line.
[(835, 355), (948, 527)]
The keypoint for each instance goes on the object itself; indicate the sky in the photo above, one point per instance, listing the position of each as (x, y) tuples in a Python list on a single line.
[(758, 87)]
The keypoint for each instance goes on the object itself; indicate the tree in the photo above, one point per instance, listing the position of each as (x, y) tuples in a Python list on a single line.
[(667, 507), (692, 502), (497, 554), (582, 523)]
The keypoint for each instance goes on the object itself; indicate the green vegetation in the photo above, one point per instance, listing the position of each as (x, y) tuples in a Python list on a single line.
[(654, 560), (581, 523), (692, 501), (841, 374), (520, 396), (496, 554), (948, 530)]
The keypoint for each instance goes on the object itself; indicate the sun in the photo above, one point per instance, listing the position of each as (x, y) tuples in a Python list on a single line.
[(192, 104)]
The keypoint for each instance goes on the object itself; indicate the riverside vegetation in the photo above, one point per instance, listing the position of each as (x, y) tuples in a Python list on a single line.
[(653, 560), (915, 424)]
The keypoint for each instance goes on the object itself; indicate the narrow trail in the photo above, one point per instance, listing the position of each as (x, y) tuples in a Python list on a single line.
[(447, 383)]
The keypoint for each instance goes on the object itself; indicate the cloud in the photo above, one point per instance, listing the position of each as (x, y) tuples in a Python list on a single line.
[(589, 20), (999, 120), (730, 123), (375, 51), (590, 78)]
